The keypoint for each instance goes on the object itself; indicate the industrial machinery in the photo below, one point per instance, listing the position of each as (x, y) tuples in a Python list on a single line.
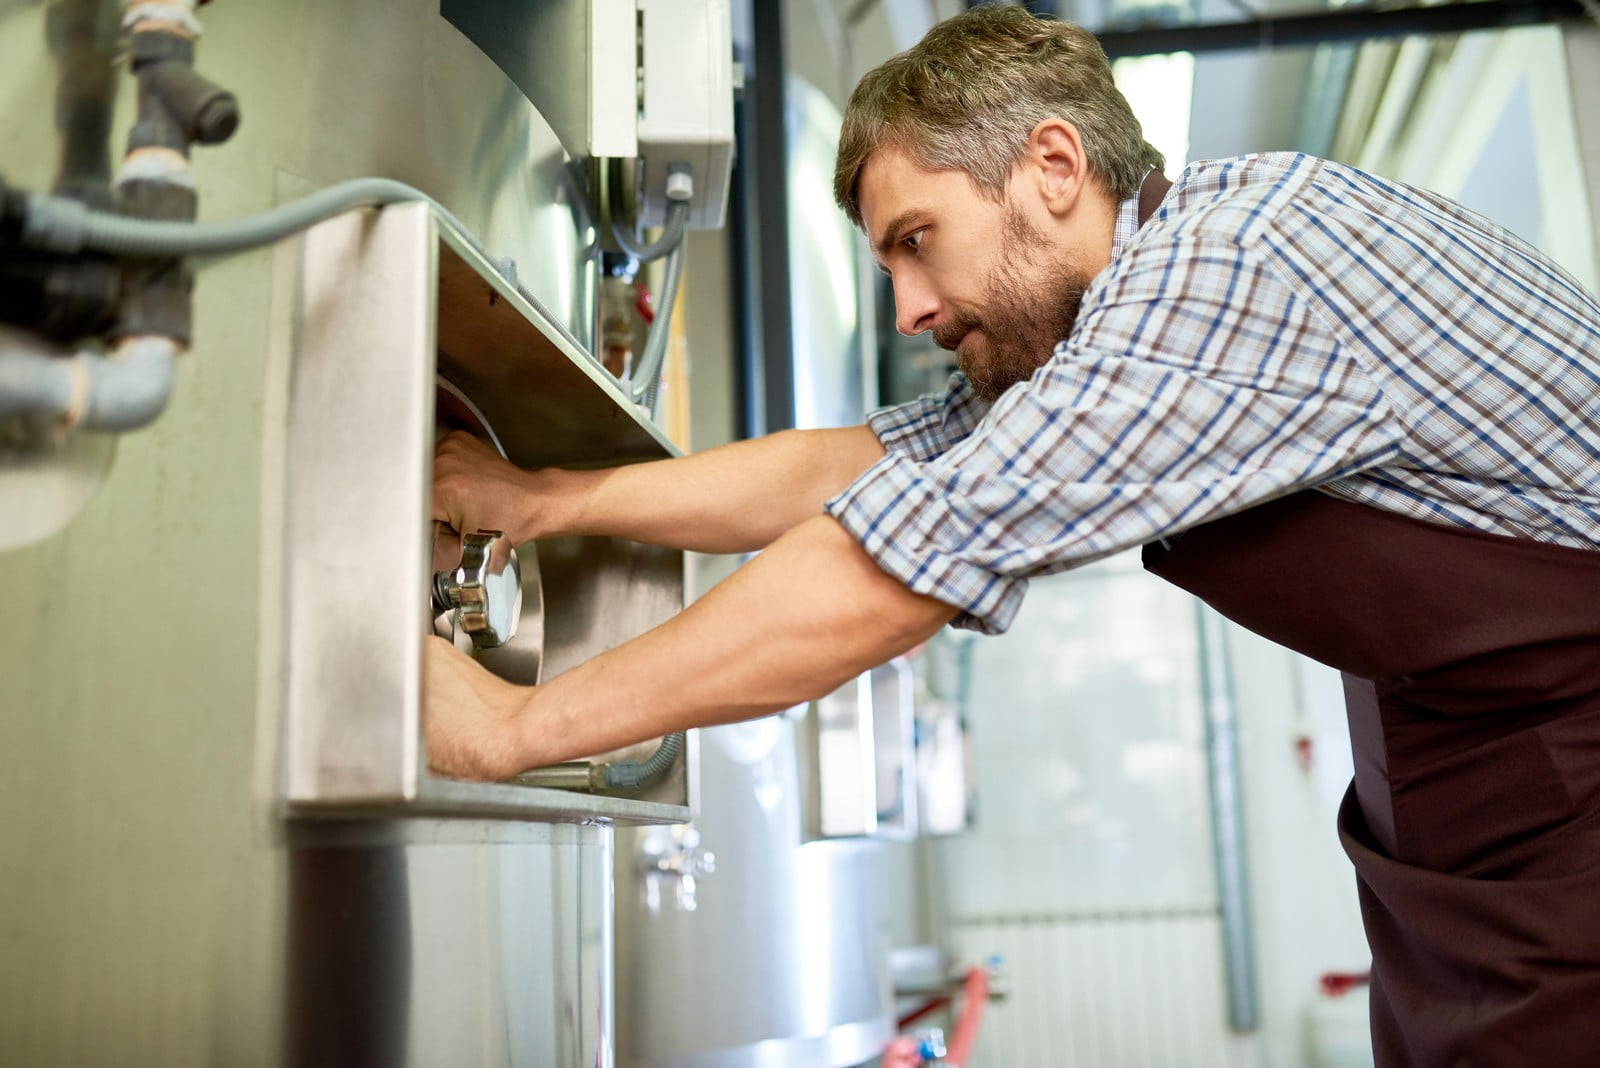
[(226, 844), (791, 935), (775, 907)]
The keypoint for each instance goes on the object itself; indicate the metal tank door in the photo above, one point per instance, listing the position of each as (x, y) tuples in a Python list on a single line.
[(406, 330)]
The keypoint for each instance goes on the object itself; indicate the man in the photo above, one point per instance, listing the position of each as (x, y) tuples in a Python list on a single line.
[(1350, 414)]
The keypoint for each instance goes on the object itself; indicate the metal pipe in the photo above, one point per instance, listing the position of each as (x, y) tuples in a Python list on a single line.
[(128, 389), (89, 391), (1227, 820), (620, 775), (574, 776), (1364, 23), (760, 213), (33, 381)]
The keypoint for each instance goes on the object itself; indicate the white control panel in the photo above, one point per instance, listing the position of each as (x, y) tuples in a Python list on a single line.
[(685, 105)]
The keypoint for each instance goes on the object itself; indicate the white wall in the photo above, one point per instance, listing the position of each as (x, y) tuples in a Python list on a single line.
[(1302, 887), (1090, 864), (1582, 42)]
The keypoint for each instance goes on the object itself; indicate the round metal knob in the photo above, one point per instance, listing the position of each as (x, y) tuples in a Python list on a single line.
[(485, 589)]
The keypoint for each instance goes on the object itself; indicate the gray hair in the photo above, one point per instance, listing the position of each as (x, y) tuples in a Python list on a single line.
[(968, 96)]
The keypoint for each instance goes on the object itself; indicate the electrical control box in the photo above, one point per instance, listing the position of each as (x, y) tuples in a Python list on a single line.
[(685, 105), (645, 82)]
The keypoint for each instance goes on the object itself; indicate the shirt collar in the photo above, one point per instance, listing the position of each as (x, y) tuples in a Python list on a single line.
[(1127, 225)]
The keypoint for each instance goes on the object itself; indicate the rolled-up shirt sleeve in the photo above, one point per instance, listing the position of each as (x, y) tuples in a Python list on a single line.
[(932, 424), (1183, 395)]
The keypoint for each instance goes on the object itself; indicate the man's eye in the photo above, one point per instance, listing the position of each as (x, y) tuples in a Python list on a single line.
[(913, 241)]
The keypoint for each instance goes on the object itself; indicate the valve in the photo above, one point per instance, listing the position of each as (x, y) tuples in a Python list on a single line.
[(485, 589), (675, 856), (931, 1047)]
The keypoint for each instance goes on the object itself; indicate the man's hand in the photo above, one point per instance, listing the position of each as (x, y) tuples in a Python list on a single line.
[(732, 499), (471, 717), (475, 488), (796, 622)]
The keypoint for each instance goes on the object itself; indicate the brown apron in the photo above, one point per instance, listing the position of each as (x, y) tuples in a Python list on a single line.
[(1472, 679)]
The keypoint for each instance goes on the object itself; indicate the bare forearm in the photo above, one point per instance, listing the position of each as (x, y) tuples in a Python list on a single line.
[(735, 498), (808, 614)]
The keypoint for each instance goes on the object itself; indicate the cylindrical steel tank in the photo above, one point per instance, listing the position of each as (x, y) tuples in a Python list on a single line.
[(778, 957), (160, 906)]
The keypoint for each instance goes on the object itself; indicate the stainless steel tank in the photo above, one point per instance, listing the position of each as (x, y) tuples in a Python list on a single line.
[(761, 936), (780, 956), (182, 882)]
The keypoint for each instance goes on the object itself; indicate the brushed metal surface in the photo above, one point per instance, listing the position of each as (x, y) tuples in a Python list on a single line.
[(840, 762), (406, 947), (158, 909), (784, 960), (375, 298), (549, 402), (359, 460), (894, 748), (599, 118), (857, 758)]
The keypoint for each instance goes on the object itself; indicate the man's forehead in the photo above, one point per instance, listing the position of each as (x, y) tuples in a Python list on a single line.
[(892, 198), (892, 183), (886, 171)]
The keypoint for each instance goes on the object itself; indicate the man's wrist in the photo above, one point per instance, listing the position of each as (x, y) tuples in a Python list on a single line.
[(536, 736), (550, 503)]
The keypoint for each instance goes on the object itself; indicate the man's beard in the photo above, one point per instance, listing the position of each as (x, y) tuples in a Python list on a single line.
[(1031, 304)]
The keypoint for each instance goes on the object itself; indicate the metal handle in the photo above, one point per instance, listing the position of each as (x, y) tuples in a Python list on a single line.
[(485, 589), (673, 856)]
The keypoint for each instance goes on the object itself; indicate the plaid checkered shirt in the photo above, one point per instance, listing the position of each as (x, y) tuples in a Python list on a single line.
[(1280, 323)]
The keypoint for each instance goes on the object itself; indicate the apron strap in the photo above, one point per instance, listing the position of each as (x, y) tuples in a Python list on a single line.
[(1151, 193)]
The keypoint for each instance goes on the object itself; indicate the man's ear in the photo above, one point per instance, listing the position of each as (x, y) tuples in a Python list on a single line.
[(1057, 164)]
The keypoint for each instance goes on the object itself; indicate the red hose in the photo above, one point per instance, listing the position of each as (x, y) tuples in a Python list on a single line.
[(974, 994), (1337, 984), (927, 1008)]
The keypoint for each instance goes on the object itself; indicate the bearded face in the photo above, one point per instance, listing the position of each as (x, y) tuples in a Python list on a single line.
[(1031, 300)]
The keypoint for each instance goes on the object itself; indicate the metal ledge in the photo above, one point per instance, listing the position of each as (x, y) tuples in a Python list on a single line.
[(385, 298), (456, 799)]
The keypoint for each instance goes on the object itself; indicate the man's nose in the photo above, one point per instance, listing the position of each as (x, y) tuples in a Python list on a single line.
[(916, 306)]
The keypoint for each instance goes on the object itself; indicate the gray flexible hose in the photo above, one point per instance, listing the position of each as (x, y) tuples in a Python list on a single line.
[(671, 236), (67, 226), (651, 361), (632, 775)]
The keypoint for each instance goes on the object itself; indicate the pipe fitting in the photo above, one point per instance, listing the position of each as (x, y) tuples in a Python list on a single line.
[(174, 16), (157, 300), (89, 391), (177, 105), (129, 388), (63, 299), (576, 775), (13, 212)]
